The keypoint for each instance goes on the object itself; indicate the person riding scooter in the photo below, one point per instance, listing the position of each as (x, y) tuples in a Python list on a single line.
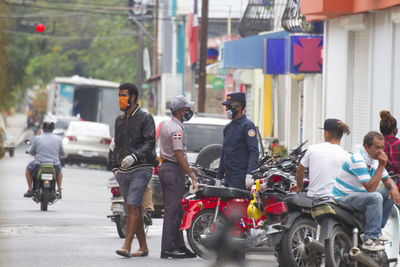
[(46, 148)]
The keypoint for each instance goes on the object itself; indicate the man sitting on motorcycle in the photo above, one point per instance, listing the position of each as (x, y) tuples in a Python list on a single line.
[(323, 160), (357, 183), (46, 148)]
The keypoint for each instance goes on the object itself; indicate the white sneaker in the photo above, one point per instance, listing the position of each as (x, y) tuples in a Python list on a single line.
[(372, 245), (383, 238)]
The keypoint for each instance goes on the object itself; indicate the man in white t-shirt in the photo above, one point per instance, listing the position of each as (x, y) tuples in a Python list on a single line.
[(323, 161)]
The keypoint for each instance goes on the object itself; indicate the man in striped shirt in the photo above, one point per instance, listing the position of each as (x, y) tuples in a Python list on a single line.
[(357, 183)]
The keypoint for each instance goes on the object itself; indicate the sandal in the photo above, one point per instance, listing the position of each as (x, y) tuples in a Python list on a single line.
[(123, 252), (29, 193), (139, 254)]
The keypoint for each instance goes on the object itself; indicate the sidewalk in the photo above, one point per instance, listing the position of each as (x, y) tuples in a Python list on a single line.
[(16, 126)]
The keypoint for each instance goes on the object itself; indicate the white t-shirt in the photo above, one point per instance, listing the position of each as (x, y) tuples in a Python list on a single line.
[(324, 161)]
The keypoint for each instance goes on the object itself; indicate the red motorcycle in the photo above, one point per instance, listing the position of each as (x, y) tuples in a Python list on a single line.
[(213, 206), (210, 207)]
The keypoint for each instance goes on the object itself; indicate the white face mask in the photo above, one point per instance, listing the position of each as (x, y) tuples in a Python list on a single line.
[(229, 113), (368, 159)]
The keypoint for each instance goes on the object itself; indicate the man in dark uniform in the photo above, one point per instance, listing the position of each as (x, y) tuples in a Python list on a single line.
[(172, 177), (239, 155)]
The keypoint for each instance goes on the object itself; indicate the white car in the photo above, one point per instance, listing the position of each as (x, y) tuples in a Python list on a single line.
[(86, 142)]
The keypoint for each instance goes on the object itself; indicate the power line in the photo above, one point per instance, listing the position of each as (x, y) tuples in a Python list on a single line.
[(76, 6), (43, 15), (86, 11), (32, 5), (46, 36)]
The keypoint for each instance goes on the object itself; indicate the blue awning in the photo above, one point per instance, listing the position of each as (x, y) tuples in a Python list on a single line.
[(247, 53)]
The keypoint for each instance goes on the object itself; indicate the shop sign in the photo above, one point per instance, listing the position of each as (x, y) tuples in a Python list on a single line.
[(218, 83), (306, 54), (212, 56)]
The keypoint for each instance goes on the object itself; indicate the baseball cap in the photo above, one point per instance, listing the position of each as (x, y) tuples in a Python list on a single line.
[(331, 124), (234, 97), (179, 102)]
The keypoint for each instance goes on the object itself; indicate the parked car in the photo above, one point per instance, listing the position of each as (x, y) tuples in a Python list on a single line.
[(61, 125), (86, 142), (204, 145)]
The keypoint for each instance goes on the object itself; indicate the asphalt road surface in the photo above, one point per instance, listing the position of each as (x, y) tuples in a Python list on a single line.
[(75, 231)]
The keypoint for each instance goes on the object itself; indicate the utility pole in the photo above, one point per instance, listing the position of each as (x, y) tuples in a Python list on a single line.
[(141, 30), (203, 56), (156, 41), (139, 62)]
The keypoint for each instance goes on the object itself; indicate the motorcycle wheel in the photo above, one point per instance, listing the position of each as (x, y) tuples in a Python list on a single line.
[(292, 250), (201, 224), (336, 246), (45, 199), (11, 152), (120, 221)]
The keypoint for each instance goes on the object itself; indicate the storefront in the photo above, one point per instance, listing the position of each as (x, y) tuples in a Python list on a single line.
[(361, 62), (282, 76)]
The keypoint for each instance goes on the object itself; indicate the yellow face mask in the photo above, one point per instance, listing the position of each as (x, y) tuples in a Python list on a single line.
[(123, 102)]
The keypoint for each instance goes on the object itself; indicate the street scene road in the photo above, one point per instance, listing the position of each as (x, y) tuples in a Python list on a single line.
[(74, 231), (293, 100)]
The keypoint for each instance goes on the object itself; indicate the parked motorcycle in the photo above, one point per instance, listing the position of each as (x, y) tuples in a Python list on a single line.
[(204, 175), (281, 173), (340, 229), (213, 206), (209, 208), (289, 223), (44, 184), (118, 209)]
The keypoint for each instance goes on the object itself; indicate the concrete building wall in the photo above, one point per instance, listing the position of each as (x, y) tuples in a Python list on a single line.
[(362, 56)]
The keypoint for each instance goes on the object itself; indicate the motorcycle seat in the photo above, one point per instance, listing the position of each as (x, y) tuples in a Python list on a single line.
[(348, 208), (47, 163), (223, 192), (300, 200), (341, 205)]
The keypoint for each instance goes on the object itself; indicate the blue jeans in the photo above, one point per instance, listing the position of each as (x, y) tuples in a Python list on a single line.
[(376, 206)]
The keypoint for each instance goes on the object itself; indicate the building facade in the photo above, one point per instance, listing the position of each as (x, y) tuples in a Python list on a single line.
[(361, 62)]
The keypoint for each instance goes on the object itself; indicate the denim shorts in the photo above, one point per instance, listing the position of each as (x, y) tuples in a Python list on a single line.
[(33, 168), (133, 185)]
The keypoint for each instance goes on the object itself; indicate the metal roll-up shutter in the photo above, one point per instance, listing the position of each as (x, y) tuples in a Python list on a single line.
[(360, 99)]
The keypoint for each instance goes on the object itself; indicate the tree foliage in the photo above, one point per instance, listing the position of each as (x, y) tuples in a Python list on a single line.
[(81, 38)]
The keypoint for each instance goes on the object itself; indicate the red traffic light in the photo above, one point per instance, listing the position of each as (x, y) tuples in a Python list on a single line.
[(40, 27)]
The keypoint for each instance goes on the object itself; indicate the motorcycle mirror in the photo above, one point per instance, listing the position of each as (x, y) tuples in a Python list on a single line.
[(27, 141), (298, 149)]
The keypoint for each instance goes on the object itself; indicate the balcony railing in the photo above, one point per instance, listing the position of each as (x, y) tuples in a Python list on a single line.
[(294, 22), (258, 17), (268, 15)]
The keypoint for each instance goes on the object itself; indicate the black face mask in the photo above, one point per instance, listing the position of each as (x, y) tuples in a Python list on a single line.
[(188, 115)]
